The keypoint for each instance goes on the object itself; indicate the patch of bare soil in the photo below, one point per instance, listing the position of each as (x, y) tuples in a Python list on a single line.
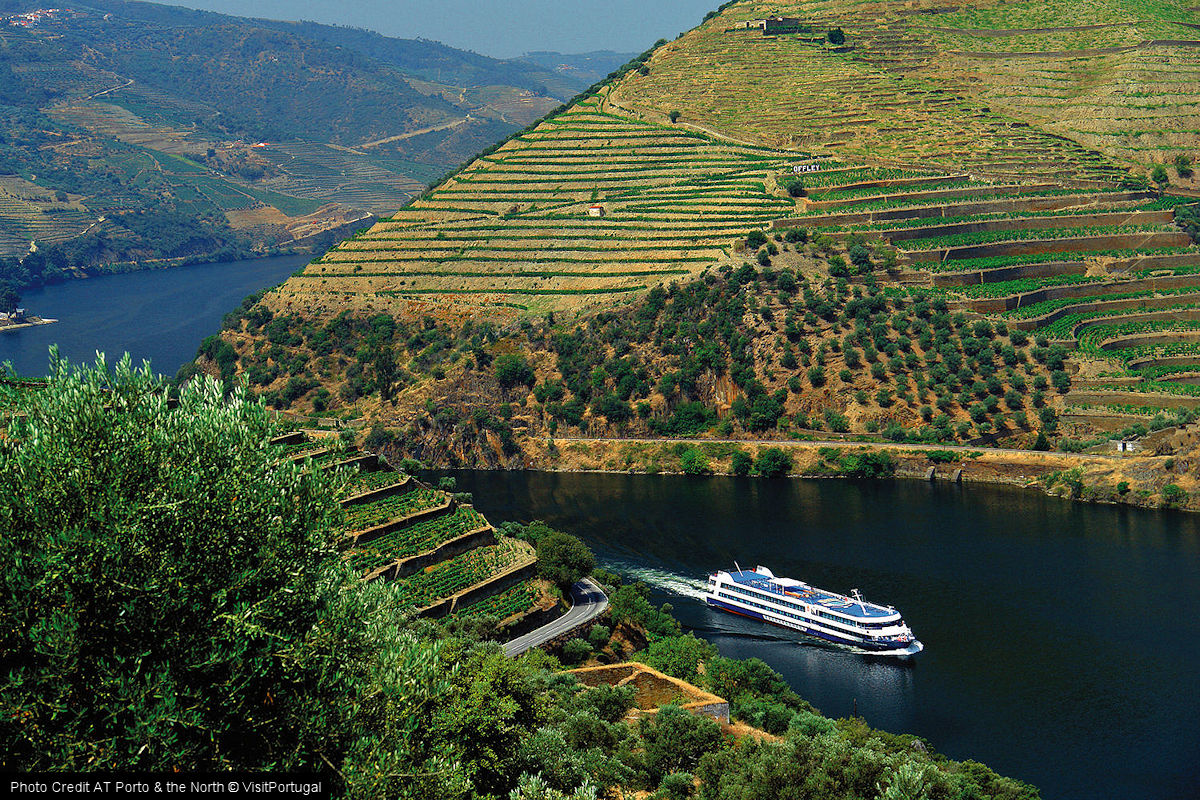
[(242, 218)]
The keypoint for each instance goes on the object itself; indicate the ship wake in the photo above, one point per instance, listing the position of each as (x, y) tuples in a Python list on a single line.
[(665, 580)]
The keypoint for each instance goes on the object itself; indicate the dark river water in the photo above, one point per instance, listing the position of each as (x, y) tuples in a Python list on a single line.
[(1062, 640), (160, 315)]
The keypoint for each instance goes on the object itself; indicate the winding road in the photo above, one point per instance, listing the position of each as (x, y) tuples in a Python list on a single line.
[(588, 601)]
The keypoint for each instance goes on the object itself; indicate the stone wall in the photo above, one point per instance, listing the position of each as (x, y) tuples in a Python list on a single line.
[(995, 305), (1117, 397), (1027, 223), (1027, 247), (521, 571), (653, 689), (403, 487), (1110, 305), (295, 437), (1002, 205), (1164, 361), (481, 537), (1149, 338), (815, 194), (1048, 268)]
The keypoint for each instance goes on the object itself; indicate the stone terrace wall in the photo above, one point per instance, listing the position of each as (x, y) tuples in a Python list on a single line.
[(1117, 397), (370, 534), (816, 194), (1030, 247), (403, 487), (1028, 223), (1045, 269), (444, 552), (995, 305), (523, 570), (1001, 206), (653, 688), (1149, 338), (1114, 305)]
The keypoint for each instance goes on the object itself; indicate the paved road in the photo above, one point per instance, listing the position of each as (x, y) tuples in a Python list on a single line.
[(588, 601), (846, 443)]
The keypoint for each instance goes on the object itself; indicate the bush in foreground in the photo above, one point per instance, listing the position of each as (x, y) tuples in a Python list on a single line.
[(170, 602)]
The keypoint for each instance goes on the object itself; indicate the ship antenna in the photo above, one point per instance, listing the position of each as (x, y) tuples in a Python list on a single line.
[(735, 564)]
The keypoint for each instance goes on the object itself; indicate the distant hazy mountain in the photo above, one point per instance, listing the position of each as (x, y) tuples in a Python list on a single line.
[(133, 131), (587, 67)]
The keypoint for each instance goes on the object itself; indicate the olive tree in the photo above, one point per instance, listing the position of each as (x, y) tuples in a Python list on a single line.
[(563, 559), (171, 599)]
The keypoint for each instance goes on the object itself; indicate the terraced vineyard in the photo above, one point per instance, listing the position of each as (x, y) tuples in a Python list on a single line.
[(303, 449), (30, 213), (325, 174), (513, 230), (682, 156), (462, 572), (371, 481), (1022, 88), (1109, 271), (1124, 79), (860, 102), (368, 515), (473, 564), (423, 535), (995, 155), (504, 605)]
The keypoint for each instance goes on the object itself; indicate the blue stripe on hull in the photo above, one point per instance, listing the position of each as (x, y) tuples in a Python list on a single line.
[(746, 612)]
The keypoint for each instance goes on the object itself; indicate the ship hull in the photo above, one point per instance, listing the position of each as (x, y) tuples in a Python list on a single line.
[(874, 648)]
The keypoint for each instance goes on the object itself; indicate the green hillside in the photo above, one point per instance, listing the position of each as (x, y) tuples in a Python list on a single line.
[(1008, 87), (836, 156)]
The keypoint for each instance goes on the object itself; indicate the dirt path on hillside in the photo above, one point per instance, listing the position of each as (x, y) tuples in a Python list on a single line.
[(607, 104), (995, 33), (1023, 455), (445, 126)]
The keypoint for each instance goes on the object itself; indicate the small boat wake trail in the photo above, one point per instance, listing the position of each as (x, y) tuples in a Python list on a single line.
[(665, 580)]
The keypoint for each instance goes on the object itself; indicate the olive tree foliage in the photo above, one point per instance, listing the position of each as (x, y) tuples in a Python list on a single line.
[(171, 600), (563, 559), (534, 787)]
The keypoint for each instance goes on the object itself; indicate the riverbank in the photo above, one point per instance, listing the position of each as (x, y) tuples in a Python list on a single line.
[(71, 275), (27, 322), (1135, 479), (153, 264)]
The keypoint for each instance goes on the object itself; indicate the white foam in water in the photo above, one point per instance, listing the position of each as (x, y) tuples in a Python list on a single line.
[(672, 582)]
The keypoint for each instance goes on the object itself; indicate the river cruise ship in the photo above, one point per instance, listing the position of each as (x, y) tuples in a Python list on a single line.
[(795, 605)]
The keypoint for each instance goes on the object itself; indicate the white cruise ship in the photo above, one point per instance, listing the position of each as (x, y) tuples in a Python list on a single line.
[(796, 605)]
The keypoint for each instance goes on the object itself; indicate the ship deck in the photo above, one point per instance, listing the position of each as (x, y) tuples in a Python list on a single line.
[(810, 594)]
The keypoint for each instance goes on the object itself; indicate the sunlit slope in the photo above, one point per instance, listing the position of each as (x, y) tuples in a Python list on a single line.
[(955, 83), (514, 231), (1062, 96)]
